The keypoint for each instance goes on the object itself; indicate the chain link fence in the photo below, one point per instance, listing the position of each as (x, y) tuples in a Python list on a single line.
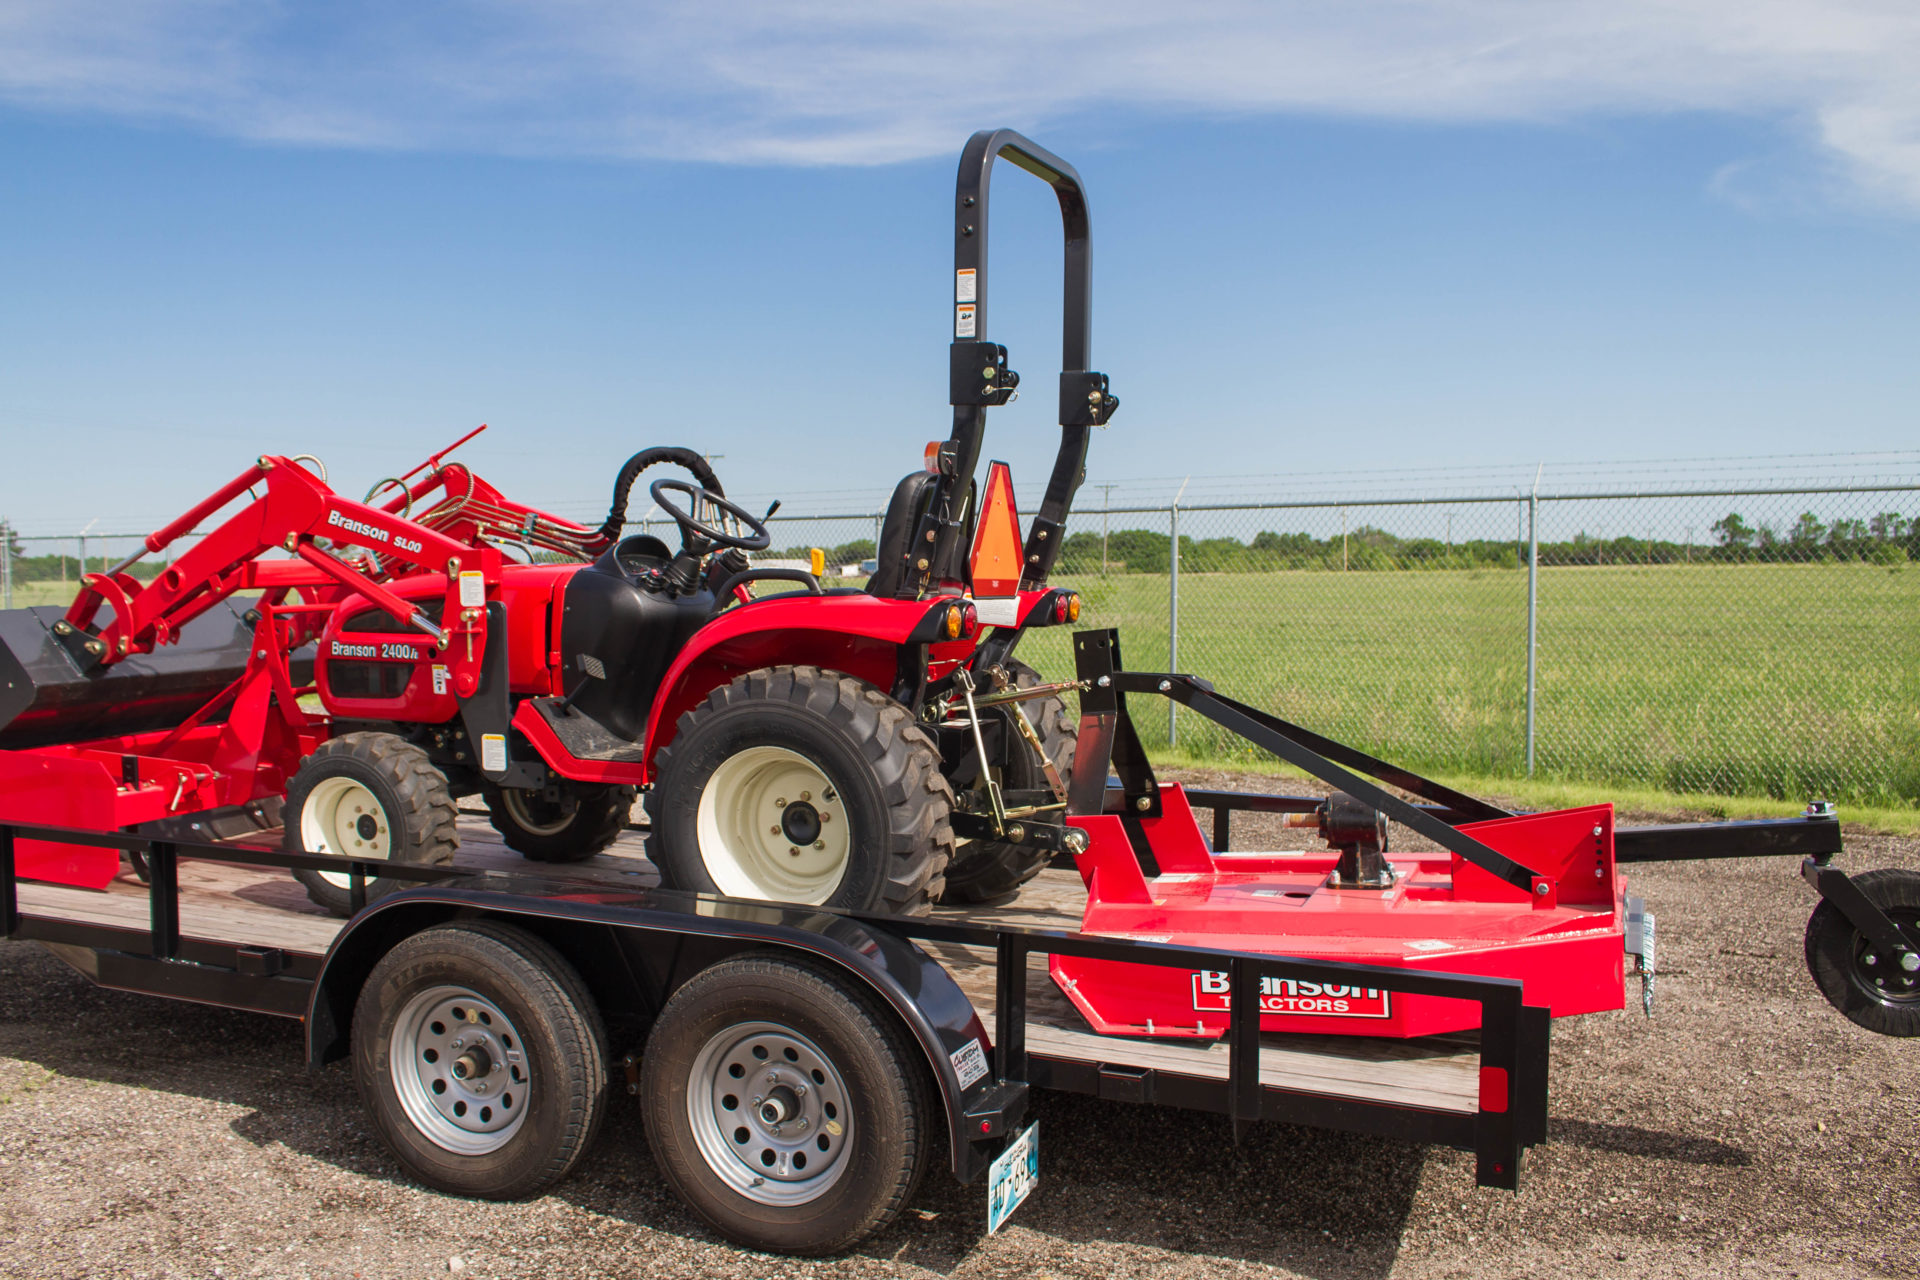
[(1744, 641), (1759, 642)]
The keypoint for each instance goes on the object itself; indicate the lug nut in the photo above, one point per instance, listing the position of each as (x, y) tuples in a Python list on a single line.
[(819, 844), (805, 796), (781, 803)]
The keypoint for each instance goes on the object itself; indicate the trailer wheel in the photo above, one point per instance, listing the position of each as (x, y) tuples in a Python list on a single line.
[(481, 1059), (795, 784), (373, 796), (565, 822), (785, 1107), (988, 870), (1869, 988)]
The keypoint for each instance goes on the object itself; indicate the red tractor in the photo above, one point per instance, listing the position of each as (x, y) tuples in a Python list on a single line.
[(347, 669)]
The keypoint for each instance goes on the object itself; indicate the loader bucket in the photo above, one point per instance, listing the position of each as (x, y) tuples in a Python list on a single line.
[(45, 699)]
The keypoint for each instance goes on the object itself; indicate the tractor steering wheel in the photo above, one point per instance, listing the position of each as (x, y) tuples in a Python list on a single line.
[(758, 540)]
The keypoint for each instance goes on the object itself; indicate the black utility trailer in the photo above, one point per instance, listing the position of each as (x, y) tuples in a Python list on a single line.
[(793, 1064)]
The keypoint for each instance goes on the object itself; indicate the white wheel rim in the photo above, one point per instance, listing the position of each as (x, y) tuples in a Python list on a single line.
[(743, 1078), (460, 1070), (751, 811), (343, 817)]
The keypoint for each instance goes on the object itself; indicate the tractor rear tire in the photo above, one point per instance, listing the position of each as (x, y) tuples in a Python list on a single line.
[(567, 822), (793, 784), (830, 1127), (482, 1060), (994, 870), (368, 795), (1870, 989)]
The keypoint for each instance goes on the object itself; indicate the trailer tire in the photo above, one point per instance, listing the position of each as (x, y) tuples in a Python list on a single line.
[(1837, 957), (541, 1053), (787, 762), (994, 870), (857, 1072), (405, 811), (566, 822)]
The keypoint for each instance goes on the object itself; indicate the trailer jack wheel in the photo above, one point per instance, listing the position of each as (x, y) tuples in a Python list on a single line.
[(367, 795), (565, 822), (789, 1112), (481, 1059), (1879, 992)]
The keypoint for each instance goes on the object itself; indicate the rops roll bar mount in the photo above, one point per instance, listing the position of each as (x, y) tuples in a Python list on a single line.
[(980, 378)]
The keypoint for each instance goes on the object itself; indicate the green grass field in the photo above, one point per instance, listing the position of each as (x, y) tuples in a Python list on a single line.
[(1782, 681), (1786, 681)]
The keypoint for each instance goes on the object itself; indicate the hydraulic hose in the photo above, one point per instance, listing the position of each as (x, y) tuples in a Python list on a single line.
[(630, 471)]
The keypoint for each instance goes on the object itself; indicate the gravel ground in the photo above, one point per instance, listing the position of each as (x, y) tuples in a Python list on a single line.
[(1746, 1131)]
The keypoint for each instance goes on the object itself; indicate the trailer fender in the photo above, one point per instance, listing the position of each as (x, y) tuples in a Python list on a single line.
[(634, 949)]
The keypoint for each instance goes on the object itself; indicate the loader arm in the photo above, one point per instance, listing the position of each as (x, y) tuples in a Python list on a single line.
[(294, 509)]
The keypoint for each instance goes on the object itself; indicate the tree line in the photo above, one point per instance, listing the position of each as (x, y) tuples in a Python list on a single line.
[(1888, 538)]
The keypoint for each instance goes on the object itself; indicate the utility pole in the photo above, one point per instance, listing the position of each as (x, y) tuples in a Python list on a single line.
[(83, 548)]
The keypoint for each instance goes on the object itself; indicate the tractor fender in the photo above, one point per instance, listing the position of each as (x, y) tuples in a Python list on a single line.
[(635, 948), (856, 634)]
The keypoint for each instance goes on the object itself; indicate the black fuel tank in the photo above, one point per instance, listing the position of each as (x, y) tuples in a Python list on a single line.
[(634, 632), (45, 698)]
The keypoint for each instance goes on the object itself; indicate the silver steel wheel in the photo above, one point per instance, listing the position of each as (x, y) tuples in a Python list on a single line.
[(770, 1113), (557, 812), (772, 826), (344, 817), (460, 1070)]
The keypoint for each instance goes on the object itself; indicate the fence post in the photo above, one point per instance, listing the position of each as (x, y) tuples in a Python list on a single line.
[(1173, 610), (6, 565), (1533, 604)]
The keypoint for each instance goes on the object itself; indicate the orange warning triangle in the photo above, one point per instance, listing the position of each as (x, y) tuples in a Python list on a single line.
[(996, 544)]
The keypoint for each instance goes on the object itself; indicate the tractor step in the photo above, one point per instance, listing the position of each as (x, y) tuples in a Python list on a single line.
[(584, 737)]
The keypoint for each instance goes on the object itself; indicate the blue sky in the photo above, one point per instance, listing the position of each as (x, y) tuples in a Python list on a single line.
[(1327, 238)]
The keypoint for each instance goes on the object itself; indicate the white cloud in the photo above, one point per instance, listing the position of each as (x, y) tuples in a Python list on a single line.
[(854, 81)]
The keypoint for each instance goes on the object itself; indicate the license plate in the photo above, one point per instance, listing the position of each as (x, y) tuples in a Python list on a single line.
[(1011, 1176)]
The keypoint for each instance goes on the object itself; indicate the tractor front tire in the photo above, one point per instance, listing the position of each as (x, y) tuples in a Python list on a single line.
[(1871, 989), (565, 822), (994, 870), (793, 784), (372, 796)]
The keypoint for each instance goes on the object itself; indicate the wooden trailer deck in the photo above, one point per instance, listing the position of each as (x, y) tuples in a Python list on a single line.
[(262, 907)]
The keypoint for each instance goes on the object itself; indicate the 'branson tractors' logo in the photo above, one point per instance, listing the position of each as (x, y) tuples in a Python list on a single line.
[(1286, 995)]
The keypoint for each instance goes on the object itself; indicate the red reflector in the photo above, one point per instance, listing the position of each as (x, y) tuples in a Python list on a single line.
[(986, 1126), (972, 620), (1493, 1088), (1060, 607)]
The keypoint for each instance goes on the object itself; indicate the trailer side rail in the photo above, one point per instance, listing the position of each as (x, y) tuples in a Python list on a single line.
[(1512, 1100)]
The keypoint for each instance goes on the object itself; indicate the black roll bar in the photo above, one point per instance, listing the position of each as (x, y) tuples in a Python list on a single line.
[(980, 378)]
